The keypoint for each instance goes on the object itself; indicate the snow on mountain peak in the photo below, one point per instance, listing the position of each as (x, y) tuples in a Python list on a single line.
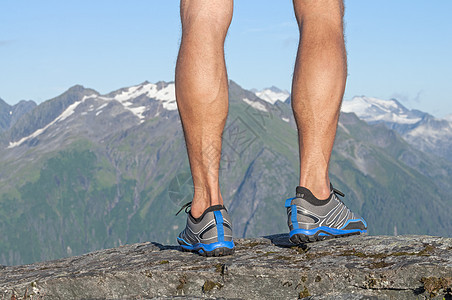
[(418, 128), (162, 92), (255, 104), (373, 110), (166, 95), (272, 94)]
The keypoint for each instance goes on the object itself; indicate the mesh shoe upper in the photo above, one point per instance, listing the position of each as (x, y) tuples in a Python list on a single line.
[(213, 226), (307, 213)]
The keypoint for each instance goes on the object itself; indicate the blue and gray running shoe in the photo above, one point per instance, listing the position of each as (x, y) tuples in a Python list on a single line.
[(311, 219), (210, 234)]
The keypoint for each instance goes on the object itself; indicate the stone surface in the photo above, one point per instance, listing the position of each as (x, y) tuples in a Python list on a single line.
[(370, 267)]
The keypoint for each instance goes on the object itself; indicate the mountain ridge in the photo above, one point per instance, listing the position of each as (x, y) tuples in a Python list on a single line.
[(418, 128), (9, 114)]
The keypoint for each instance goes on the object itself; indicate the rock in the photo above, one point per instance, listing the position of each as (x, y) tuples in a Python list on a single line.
[(369, 267)]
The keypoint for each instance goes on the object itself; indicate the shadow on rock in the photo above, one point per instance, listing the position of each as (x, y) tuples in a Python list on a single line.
[(282, 240), (166, 247)]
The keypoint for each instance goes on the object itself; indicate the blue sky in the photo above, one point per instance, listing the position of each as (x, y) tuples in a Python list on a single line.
[(396, 49)]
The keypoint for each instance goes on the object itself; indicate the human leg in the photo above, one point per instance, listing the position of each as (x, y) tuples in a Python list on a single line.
[(202, 93), (318, 88), (202, 99), (316, 212)]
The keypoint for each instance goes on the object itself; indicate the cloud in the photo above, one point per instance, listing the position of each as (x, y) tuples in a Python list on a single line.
[(408, 99), (417, 99)]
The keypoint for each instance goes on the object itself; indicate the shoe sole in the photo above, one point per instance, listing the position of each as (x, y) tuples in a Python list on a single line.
[(209, 250), (321, 235), (214, 253)]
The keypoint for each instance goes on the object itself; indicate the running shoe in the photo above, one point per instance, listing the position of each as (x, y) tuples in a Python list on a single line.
[(311, 219), (208, 235)]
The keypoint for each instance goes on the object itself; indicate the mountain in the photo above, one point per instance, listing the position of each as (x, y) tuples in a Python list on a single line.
[(85, 171), (420, 129), (4, 114), (10, 114), (272, 94)]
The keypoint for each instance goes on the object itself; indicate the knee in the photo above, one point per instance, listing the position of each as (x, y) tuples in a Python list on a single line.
[(207, 17)]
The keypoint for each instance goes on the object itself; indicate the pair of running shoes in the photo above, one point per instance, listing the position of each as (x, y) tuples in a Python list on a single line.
[(309, 220)]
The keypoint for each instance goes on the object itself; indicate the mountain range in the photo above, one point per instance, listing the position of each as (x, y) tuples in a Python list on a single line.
[(85, 171), (418, 128)]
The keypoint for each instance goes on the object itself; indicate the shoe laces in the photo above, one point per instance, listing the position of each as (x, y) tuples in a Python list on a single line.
[(337, 192), (186, 206)]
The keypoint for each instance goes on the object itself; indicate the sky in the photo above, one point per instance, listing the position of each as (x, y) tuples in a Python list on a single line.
[(396, 49)]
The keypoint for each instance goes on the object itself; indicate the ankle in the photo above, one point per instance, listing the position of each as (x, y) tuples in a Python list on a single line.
[(200, 204), (320, 193), (320, 189), (197, 208)]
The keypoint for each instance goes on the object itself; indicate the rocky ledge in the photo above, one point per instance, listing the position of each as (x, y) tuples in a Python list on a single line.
[(369, 267)]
